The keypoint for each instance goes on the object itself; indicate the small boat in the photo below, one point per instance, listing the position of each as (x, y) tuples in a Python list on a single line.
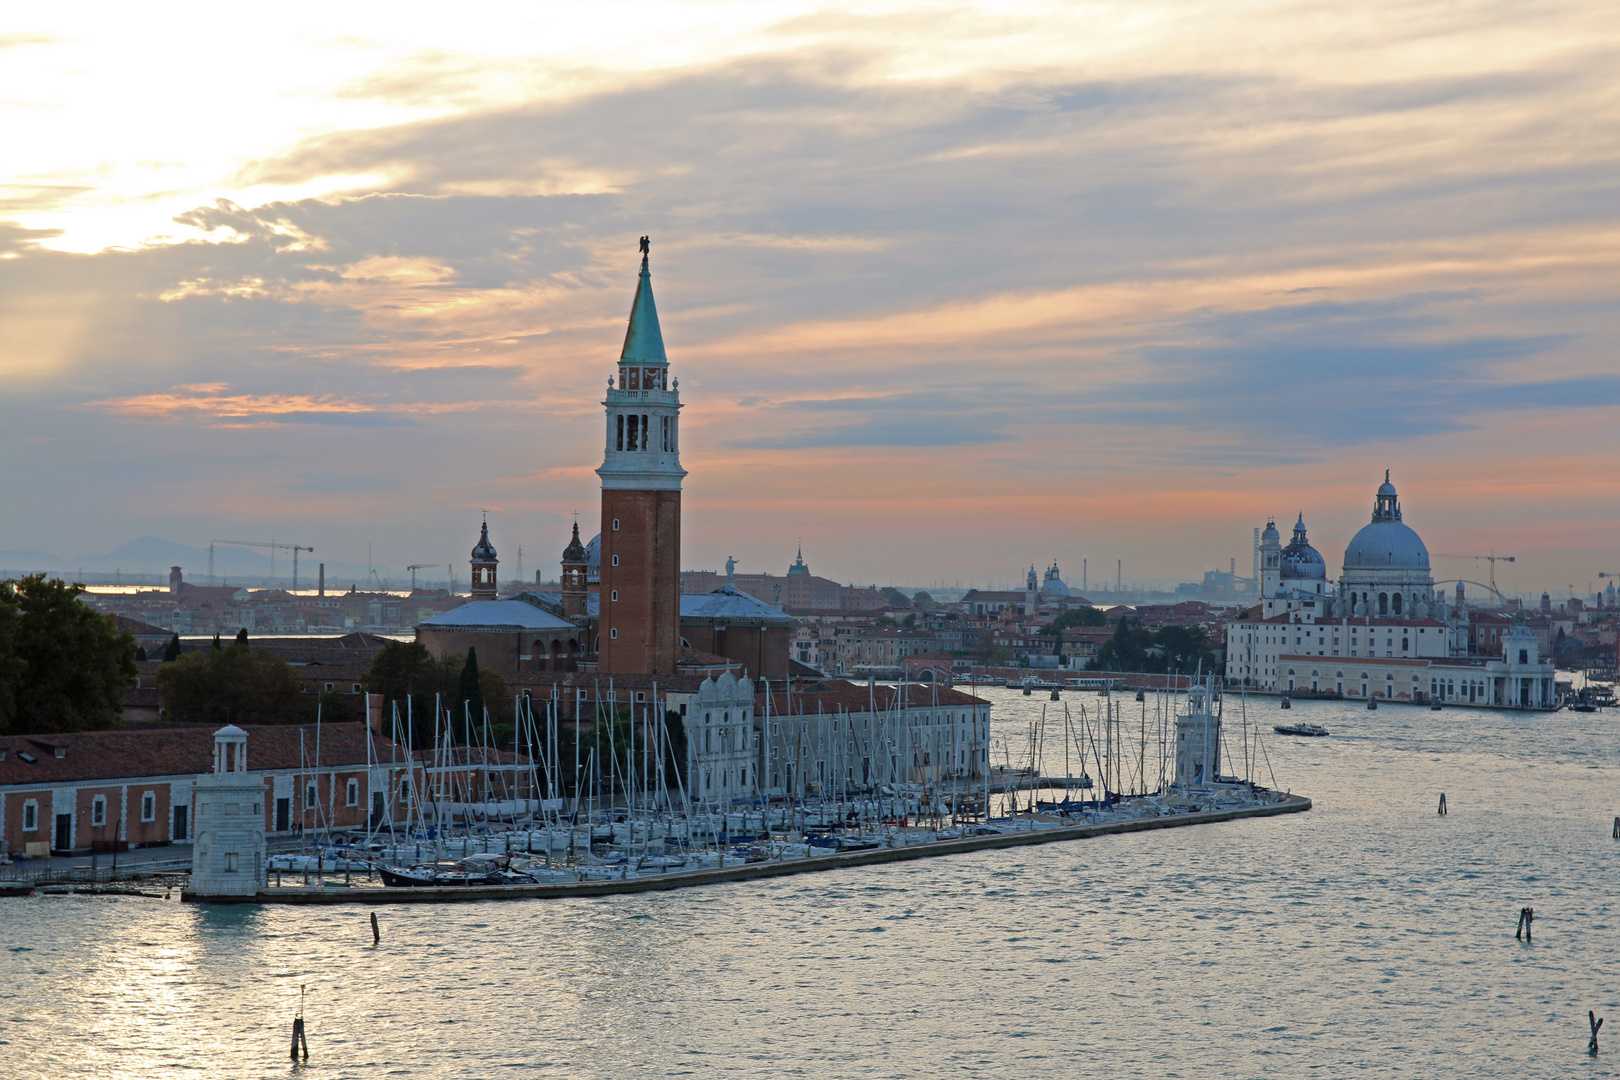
[(1286, 703), (1583, 706), (1371, 704), (1435, 707), (1312, 730)]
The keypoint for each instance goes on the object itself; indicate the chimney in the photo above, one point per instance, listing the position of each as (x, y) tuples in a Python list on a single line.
[(174, 581), (321, 587)]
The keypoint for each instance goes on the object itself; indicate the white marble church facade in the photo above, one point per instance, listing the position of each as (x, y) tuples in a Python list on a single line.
[(1381, 631)]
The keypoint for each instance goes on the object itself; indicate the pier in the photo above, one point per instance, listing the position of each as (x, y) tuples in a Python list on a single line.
[(681, 879)]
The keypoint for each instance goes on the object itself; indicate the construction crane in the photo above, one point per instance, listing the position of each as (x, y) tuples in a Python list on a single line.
[(271, 544), (414, 567), (1493, 558)]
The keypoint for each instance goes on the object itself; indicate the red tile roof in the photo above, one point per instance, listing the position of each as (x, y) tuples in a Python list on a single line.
[(175, 751)]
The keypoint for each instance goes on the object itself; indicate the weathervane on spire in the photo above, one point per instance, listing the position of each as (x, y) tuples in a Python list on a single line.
[(646, 247)]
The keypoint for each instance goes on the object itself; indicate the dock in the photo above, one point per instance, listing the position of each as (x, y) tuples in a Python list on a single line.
[(682, 879)]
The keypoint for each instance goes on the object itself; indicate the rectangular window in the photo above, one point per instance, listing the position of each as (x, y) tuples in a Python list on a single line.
[(30, 816), (620, 419), (352, 794), (230, 862), (666, 435), (148, 806), (98, 810), (644, 433), (631, 438), (311, 799)]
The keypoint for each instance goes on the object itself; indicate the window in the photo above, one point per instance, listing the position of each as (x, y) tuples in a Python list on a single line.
[(230, 862), (356, 688), (98, 810), (351, 794), (148, 806), (615, 524), (30, 816), (405, 789), (1524, 656), (615, 594), (311, 799), (620, 444), (615, 560), (644, 432), (613, 633), (666, 435), (329, 686)]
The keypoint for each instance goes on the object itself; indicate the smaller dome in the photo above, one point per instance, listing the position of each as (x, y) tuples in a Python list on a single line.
[(1271, 535), (484, 551), (1053, 585), (1300, 560)]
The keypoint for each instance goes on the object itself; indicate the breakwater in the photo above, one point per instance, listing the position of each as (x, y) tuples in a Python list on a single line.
[(681, 879)]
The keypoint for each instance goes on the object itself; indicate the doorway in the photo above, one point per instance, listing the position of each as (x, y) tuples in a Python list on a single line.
[(180, 822), (283, 815), (64, 833)]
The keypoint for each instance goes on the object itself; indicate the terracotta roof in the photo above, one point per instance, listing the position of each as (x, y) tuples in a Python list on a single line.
[(176, 751), (839, 695)]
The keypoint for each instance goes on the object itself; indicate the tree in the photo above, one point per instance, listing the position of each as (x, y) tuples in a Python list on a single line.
[(411, 680), (469, 712), (1080, 616), (241, 636), (238, 685), (63, 667), (171, 651), (895, 597), (1172, 649), (923, 601)]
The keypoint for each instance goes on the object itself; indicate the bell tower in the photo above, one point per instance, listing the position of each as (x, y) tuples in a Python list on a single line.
[(639, 615), (484, 564), (574, 565)]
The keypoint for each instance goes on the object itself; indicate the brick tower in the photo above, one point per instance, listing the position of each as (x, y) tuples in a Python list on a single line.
[(640, 615), (485, 584)]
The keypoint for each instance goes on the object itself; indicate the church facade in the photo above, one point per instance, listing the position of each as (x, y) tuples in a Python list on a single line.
[(1381, 631)]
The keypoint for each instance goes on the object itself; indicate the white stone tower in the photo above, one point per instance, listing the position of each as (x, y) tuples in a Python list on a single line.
[(1198, 740), (1270, 560), (228, 857)]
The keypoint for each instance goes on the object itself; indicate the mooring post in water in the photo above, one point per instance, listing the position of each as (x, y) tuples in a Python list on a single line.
[(1617, 828), (1527, 915), (1442, 804), (376, 934), (1596, 1022), (298, 1040)]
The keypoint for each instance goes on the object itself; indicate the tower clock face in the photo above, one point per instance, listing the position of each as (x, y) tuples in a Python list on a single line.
[(633, 378)]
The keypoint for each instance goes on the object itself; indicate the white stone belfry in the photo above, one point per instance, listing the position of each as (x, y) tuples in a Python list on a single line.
[(228, 856)]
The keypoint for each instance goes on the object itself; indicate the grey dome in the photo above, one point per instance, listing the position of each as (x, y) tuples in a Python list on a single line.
[(1385, 545), (484, 551), (1271, 535), (1300, 560)]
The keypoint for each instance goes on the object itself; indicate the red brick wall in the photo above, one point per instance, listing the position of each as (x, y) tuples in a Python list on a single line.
[(647, 613)]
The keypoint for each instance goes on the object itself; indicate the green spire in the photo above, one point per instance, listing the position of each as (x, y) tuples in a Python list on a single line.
[(643, 340)]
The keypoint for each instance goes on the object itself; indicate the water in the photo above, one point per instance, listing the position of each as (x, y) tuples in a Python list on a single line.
[(1369, 937)]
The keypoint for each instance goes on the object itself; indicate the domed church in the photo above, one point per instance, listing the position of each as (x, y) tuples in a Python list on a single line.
[(1386, 566)]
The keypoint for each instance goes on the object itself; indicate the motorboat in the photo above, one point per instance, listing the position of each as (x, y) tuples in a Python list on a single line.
[(1311, 730)]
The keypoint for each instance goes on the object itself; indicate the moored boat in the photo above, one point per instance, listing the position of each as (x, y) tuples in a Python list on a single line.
[(1311, 730)]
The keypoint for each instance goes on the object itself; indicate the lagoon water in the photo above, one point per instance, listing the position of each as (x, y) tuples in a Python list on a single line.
[(1369, 937)]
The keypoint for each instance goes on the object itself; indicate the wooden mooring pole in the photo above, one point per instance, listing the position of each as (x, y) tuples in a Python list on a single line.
[(298, 1040), (1442, 804), (376, 934), (1617, 828), (1527, 915), (1592, 1018)]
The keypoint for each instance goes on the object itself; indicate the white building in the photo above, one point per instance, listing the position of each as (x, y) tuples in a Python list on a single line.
[(722, 744), (1381, 632)]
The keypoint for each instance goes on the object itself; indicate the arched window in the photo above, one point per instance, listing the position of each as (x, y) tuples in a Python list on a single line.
[(1396, 602), (1383, 603)]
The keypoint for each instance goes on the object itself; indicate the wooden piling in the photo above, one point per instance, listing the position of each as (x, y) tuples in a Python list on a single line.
[(376, 934), (298, 1040), (1527, 916), (1617, 828), (1592, 1018), (1442, 804)]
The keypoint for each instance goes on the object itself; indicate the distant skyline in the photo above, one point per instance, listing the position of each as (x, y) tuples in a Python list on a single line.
[(950, 288)]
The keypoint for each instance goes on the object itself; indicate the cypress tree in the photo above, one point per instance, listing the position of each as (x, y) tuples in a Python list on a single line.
[(171, 651), (470, 695), (241, 636)]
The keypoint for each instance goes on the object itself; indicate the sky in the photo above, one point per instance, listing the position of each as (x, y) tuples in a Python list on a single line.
[(951, 289)]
